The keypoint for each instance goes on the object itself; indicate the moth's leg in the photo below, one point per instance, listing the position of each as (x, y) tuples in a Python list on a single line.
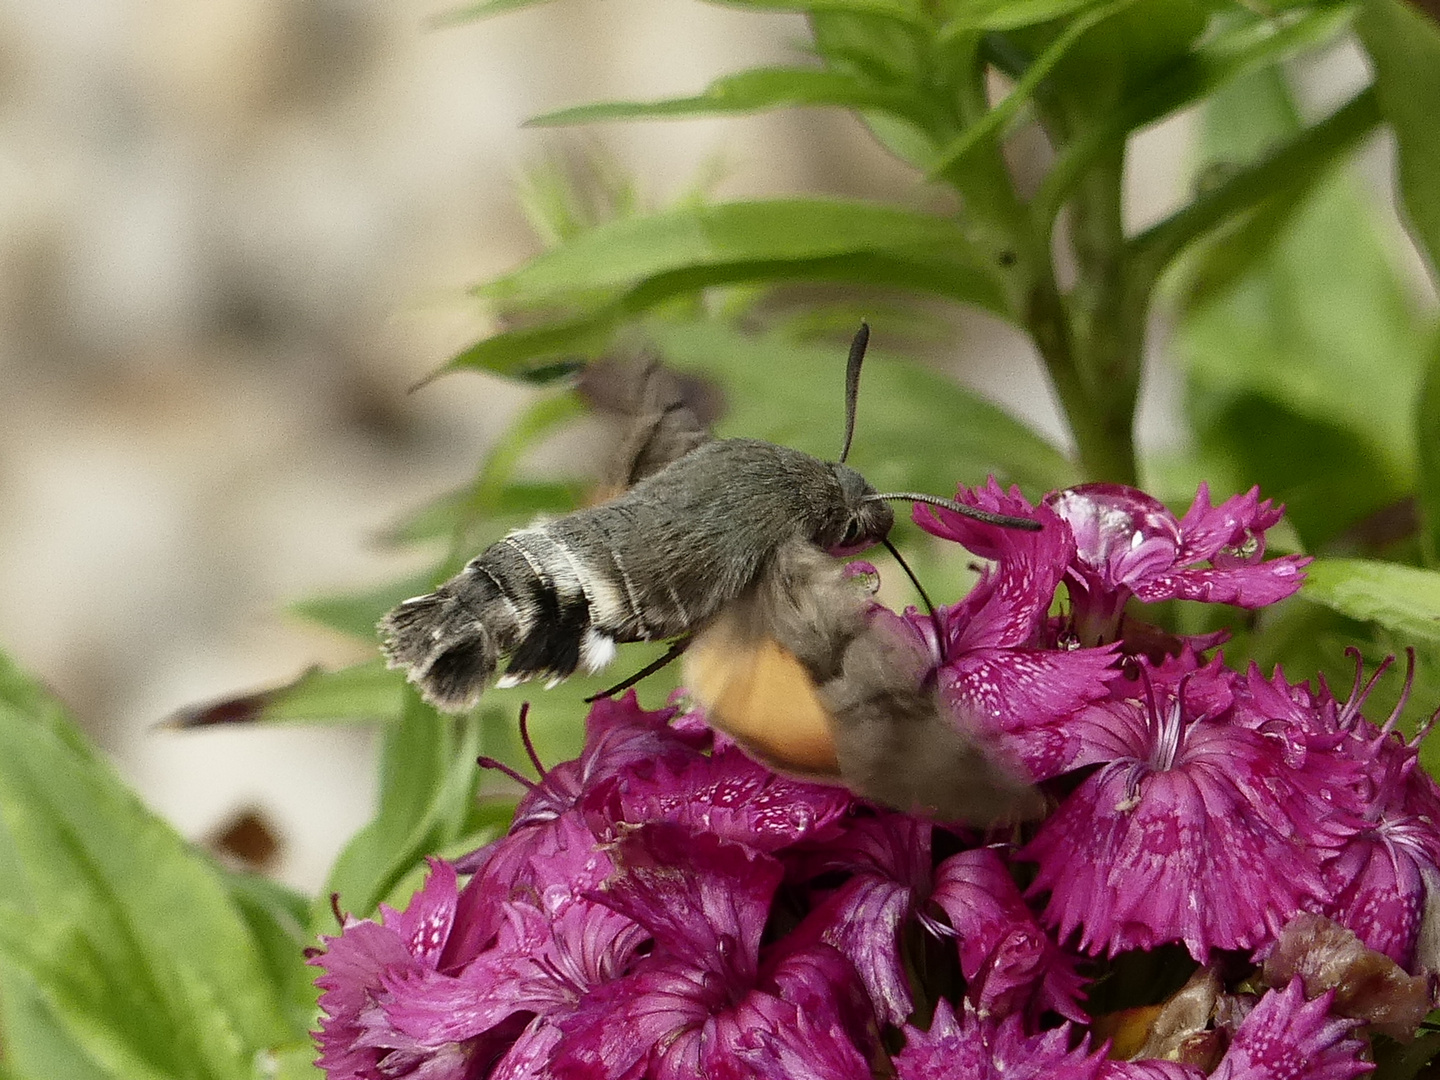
[(670, 656)]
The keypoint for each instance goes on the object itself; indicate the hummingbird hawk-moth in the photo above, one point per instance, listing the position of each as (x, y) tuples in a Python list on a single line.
[(726, 547)]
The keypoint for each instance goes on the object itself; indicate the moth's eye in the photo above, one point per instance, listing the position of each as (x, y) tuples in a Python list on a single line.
[(852, 534)]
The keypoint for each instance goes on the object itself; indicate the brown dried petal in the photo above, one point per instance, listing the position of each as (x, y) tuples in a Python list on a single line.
[(1368, 985), (1183, 1017)]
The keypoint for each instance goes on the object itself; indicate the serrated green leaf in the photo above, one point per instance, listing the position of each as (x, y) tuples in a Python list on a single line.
[(751, 91), (128, 936), (1404, 45), (1403, 599)]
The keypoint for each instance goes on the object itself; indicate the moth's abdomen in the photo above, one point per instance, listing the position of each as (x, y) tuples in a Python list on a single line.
[(450, 640), (551, 588), (655, 563), (533, 596)]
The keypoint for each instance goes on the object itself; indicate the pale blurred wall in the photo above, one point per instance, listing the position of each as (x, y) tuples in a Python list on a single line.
[(232, 232)]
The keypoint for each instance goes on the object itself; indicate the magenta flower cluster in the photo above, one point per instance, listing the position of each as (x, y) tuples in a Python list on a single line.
[(665, 907)]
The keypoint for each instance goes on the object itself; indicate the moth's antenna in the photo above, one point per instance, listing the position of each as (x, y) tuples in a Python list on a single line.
[(975, 512), (929, 606), (852, 384)]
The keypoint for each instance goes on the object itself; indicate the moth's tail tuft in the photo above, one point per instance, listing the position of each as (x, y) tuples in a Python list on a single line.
[(448, 652)]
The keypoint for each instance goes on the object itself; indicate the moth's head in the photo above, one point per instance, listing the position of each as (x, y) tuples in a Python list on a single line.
[(861, 519)]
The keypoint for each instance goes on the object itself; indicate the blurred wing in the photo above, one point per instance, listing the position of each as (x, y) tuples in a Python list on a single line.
[(665, 415), (897, 742), (800, 675)]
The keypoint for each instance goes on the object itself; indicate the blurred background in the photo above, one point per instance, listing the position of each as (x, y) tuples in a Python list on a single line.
[(234, 232)]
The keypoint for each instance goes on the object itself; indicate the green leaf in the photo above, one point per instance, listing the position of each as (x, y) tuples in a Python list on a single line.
[(1117, 59), (915, 428), (355, 614), (1427, 446), (1403, 599), (962, 278), (1404, 45), (565, 195), (277, 917), (44, 1049), (132, 944), (1327, 478), (1008, 14), (751, 91), (26, 697), (360, 694), (1320, 328), (883, 51), (443, 516), (510, 352), (482, 10), (486, 498), (622, 254), (995, 122), (1232, 52), (427, 781), (896, 10), (489, 506)]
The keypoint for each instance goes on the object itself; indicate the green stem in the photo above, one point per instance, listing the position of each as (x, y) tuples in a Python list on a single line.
[(1109, 330), (1036, 304), (1093, 341), (1103, 444)]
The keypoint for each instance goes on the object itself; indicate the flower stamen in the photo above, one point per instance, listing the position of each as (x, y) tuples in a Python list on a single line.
[(525, 738), (487, 762)]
